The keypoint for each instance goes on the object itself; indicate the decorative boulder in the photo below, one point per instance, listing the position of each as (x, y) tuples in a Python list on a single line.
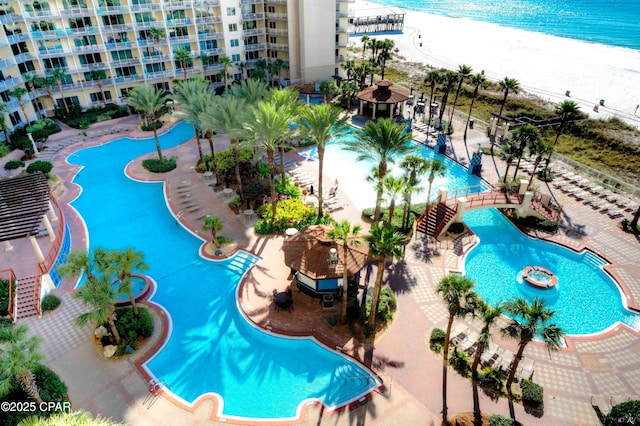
[(109, 351), (101, 332)]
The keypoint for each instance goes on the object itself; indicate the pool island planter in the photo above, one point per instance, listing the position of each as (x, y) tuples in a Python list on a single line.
[(526, 275)]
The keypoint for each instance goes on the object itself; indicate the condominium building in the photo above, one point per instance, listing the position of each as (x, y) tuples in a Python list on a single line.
[(96, 50)]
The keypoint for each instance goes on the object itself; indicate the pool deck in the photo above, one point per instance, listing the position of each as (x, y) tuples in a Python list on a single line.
[(606, 364)]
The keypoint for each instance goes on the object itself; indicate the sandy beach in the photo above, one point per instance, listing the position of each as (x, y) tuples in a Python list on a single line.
[(544, 65)]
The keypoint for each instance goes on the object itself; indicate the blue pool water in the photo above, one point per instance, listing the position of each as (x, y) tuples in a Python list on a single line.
[(138, 283), (585, 299), (496, 264), (211, 347)]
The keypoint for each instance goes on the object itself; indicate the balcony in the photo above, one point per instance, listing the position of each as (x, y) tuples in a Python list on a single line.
[(89, 48), (83, 30), (276, 46), (12, 103), (206, 3), (214, 68), (181, 39), (340, 44), (277, 32), (209, 20), (24, 57), (125, 62), (203, 36), (119, 45), (51, 52), (111, 10), (152, 42), (340, 58), (118, 28), (7, 62), (9, 83), (178, 22), (341, 30), (254, 32), (213, 52), (127, 79), (41, 14), (276, 1), (252, 16), (76, 12), (11, 18), (176, 5), (155, 58), (276, 16), (143, 25), (254, 47), (39, 35), (16, 38), (158, 75), (145, 7)]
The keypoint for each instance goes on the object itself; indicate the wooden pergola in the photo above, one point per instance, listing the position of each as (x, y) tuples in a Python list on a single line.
[(382, 100)]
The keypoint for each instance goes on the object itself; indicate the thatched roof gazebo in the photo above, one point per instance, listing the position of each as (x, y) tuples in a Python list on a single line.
[(382, 100), (317, 261)]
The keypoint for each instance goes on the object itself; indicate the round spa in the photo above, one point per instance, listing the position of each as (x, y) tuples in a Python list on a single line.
[(539, 277)]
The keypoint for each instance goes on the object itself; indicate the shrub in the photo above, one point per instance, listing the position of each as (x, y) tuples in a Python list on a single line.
[(149, 127), (50, 386), (491, 378), (456, 228), (384, 313), (532, 393), (4, 149), (5, 322), (156, 166), (49, 302), (625, 414), (291, 213), (290, 190), (4, 297), (437, 336), (235, 202), (130, 327), (498, 420), (23, 143), (460, 361), (40, 166), (13, 164)]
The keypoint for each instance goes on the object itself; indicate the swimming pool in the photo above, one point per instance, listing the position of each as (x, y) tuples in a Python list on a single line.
[(496, 264), (211, 348)]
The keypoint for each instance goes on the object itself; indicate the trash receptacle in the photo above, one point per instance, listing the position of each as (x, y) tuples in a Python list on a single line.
[(327, 301), (471, 123)]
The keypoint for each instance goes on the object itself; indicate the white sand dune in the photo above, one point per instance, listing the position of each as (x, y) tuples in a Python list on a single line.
[(545, 65)]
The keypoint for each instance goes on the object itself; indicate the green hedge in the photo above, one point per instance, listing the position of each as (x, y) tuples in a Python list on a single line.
[(499, 420), (130, 327), (532, 393), (13, 164), (4, 297), (49, 302), (40, 166), (156, 166), (93, 115), (148, 128), (437, 335), (625, 414)]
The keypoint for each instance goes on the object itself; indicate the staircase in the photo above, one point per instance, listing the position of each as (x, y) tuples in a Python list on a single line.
[(26, 301), (436, 219)]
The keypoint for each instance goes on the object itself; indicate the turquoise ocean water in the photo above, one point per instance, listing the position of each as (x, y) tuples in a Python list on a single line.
[(609, 22)]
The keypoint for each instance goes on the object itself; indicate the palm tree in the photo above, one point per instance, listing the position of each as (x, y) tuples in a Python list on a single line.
[(384, 243), (507, 85), (259, 71), (457, 293), (58, 75), (349, 66), (98, 76), (449, 79), (432, 78), (100, 295), (489, 316), (225, 62), (524, 136), (279, 65), (384, 55), (381, 142), (328, 89), (634, 221), (346, 234), (122, 263), (392, 187), (33, 80), (508, 154), (538, 149), (152, 103), (3, 121), (464, 71), (530, 321), (321, 123), (286, 101), (48, 82), (215, 225), (183, 57), (192, 96), (415, 166), (19, 355), (361, 71), (349, 89), (205, 60), (478, 81), (79, 262), (269, 126), (436, 169), (365, 39), (18, 93), (566, 110)]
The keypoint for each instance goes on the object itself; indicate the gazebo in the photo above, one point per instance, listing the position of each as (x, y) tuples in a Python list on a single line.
[(382, 100), (317, 261)]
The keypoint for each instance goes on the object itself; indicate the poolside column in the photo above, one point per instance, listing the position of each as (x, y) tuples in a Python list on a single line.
[(8, 246), (36, 248), (52, 212), (47, 224), (462, 207)]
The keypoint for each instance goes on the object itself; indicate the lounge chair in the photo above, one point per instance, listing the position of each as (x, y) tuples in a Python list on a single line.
[(525, 369), (506, 361), (490, 354), (468, 342), (193, 208)]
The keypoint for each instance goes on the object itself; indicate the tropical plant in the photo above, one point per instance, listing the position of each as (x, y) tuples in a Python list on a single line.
[(184, 59), (537, 149), (155, 33), (349, 90), (392, 187), (382, 142), (449, 79), (18, 93), (19, 355), (68, 418), (57, 76), (328, 89), (286, 102), (384, 243), (33, 80), (432, 79), (489, 316), (384, 54), (464, 71), (436, 169), (530, 321), (457, 293), (191, 94), (623, 414), (100, 295), (260, 70), (151, 101), (225, 62), (269, 126), (478, 81), (206, 60), (567, 110), (79, 262), (507, 85), (365, 39), (524, 137), (122, 263), (3, 121), (215, 225), (415, 167), (321, 123), (346, 234), (98, 76)]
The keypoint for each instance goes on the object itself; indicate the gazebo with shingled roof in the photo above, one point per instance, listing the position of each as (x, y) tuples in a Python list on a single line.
[(382, 100)]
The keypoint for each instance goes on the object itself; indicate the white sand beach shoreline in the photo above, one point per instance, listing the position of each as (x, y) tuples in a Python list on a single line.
[(544, 65)]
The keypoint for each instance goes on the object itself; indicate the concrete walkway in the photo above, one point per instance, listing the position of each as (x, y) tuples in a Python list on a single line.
[(605, 364)]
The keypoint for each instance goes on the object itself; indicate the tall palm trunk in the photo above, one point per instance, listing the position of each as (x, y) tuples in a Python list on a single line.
[(104, 98), (114, 330), (382, 172), (445, 361), (214, 165), (473, 99), (27, 381), (64, 101), (271, 159), (320, 174), (477, 356), (514, 367), (345, 284), (236, 160), (155, 135), (283, 179), (371, 322), (201, 157)]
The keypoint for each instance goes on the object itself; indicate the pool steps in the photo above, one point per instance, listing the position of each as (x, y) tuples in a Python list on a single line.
[(594, 260)]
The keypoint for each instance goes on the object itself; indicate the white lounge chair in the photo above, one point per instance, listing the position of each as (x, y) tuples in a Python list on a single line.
[(525, 369)]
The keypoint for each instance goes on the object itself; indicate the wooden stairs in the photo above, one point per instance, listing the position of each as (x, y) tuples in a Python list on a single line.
[(26, 303), (433, 222)]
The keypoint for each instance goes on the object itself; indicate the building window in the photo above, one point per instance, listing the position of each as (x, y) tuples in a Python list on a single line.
[(235, 57), (272, 40), (97, 97), (272, 25), (234, 43), (231, 11), (271, 9), (237, 76), (15, 118), (233, 27), (273, 53)]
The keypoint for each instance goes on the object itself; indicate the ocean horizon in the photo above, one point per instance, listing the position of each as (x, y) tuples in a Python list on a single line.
[(609, 22)]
